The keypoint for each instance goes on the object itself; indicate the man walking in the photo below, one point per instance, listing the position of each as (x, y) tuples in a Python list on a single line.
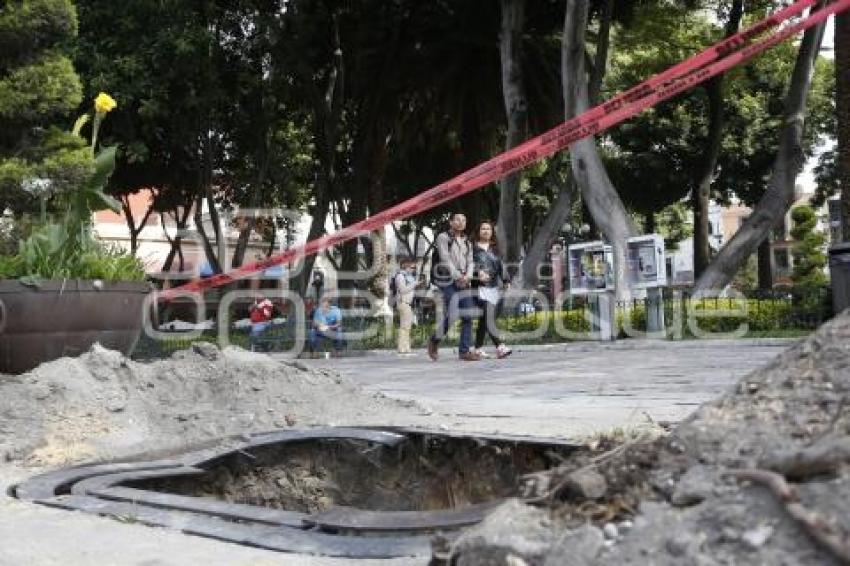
[(405, 284), (451, 270)]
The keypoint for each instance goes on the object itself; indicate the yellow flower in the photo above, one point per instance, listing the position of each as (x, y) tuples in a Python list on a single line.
[(104, 103)]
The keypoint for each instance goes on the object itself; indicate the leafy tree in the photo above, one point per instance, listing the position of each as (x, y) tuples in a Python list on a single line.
[(597, 190), (672, 224), (827, 180), (656, 156), (166, 101), (38, 90), (664, 154), (516, 109), (809, 259), (787, 164), (209, 123)]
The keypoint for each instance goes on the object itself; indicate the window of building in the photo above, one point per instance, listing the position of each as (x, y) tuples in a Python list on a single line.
[(781, 260)]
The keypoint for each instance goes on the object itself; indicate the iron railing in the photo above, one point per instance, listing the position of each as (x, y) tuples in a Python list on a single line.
[(775, 313)]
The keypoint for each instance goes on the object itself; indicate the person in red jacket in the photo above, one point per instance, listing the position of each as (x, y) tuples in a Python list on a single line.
[(261, 316)]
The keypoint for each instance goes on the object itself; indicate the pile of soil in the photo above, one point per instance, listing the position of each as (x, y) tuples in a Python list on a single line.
[(102, 405), (759, 476)]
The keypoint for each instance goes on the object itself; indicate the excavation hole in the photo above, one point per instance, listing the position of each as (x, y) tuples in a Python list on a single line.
[(423, 473)]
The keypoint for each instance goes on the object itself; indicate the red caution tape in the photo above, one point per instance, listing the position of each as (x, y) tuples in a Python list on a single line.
[(715, 60)]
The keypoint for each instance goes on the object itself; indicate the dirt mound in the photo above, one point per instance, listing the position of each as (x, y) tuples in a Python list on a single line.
[(759, 476), (102, 405)]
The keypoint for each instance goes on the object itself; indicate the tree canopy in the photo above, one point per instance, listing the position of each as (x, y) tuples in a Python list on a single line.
[(345, 108), (39, 90)]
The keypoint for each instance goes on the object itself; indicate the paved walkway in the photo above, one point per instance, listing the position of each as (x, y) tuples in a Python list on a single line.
[(567, 390)]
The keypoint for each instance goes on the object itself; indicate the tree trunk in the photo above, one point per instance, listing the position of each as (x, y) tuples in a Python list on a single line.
[(600, 60), (180, 221), (373, 166), (380, 269), (649, 225), (538, 251), (701, 195), (258, 104), (350, 260), (842, 112), (376, 127), (327, 114), (256, 201), (509, 224), (133, 229), (402, 240), (213, 257), (765, 265), (473, 146), (780, 192), (560, 210), (597, 191)]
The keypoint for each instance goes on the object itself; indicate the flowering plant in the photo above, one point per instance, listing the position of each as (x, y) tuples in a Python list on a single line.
[(63, 246)]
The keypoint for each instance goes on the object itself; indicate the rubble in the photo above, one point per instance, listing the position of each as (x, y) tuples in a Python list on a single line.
[(756, 477)]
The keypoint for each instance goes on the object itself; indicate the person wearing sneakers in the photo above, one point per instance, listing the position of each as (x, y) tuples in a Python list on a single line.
[(490, 277), (451, 271)]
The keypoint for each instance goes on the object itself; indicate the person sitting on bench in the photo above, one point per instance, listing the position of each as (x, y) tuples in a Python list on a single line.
[(261, 318), (327, 325)]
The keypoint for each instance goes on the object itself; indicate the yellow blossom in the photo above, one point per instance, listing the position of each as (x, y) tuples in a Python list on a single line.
[(104, 103)]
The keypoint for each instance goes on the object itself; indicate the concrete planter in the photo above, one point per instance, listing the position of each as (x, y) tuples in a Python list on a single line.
[(65, 318)]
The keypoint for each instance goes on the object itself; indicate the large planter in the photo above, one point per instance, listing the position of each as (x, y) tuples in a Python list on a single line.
[(65, 318)]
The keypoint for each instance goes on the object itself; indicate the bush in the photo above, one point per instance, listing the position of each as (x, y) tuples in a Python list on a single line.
[(763, 316)]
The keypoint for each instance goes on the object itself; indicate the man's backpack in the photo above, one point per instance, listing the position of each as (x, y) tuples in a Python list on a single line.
[(441, 275)]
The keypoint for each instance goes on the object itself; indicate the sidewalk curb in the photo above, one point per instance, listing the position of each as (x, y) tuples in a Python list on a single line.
[(618, 345)]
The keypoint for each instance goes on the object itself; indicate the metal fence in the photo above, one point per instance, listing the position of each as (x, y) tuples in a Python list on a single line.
[(765, 314)]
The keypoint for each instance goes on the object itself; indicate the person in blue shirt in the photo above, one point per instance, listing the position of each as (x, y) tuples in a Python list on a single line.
[(327, 325)]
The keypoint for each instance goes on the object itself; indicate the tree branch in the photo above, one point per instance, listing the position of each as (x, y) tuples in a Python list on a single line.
[(822, 531)]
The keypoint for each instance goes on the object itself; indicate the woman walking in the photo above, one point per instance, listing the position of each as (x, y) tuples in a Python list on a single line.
[(490, 276)]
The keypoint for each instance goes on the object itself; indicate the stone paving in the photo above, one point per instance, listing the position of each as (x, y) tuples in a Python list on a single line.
[(566, 390)]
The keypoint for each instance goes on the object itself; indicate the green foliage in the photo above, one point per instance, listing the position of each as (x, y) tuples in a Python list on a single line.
[(52, 252), (809, 259), (674, 225), (42, 90), (215, 112), (63, 247), (762, 315), (417, 98), (657, 157), (58, 156), (747, 277), (11, 267), (38, 86), (827, 178), (33, 26)]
